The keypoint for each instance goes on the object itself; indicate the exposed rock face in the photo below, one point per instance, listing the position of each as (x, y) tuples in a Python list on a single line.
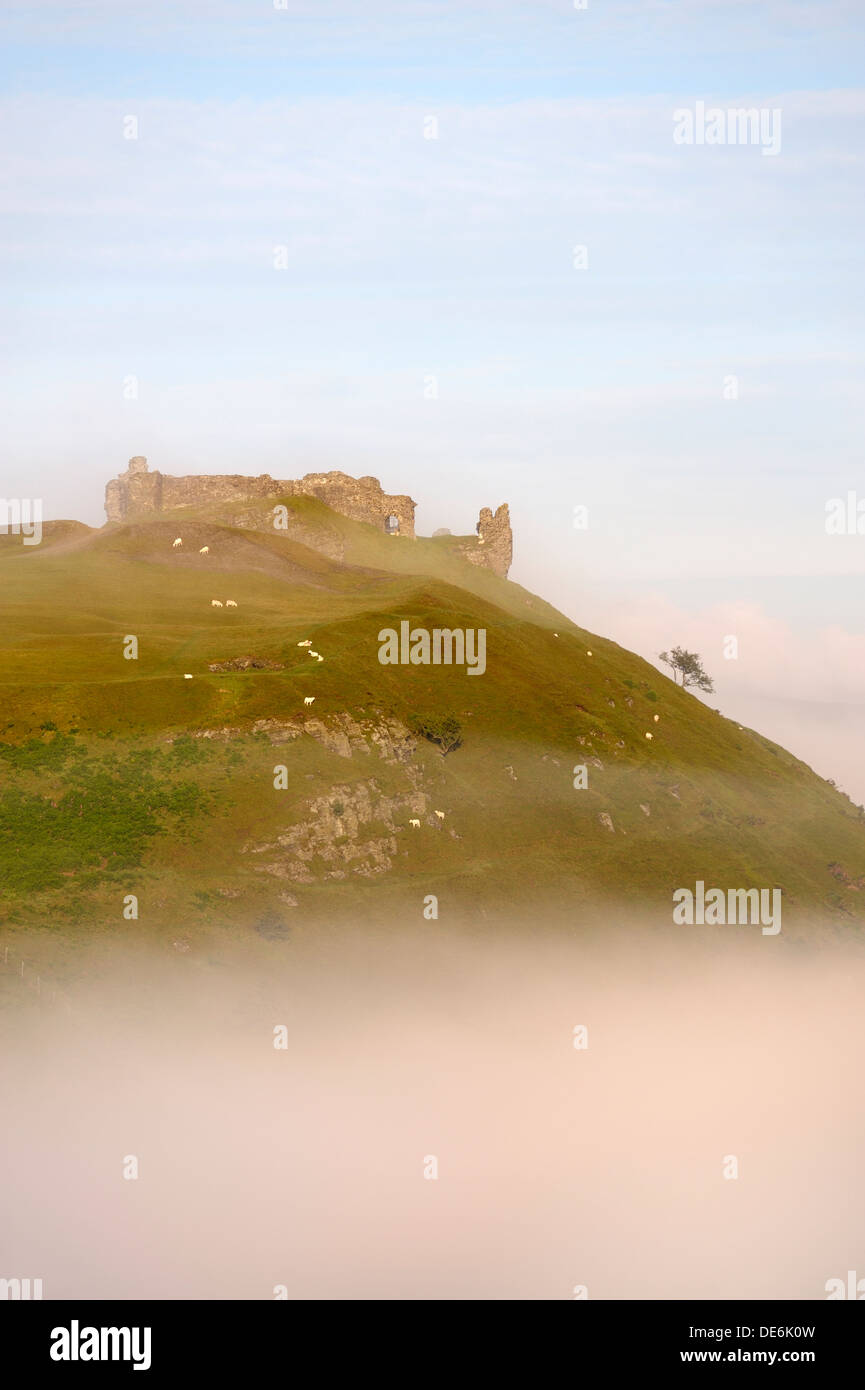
[(341, 734), (139, 491), (352, 828), (334, 840)]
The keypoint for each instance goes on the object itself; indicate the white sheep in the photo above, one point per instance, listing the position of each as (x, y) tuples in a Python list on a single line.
[(656, 717), (312, 653), (307, 643), (205, 550), (187, 677), (415, 823), (321, 658), (440, 814), (229, 603), (650, 735), (216, 603), (177, 542), (308, 699)]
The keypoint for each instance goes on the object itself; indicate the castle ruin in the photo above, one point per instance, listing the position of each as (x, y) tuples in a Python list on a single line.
[(139, 492)]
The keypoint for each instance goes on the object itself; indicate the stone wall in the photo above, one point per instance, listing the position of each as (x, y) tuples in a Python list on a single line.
[(361, 499), (139, 492)]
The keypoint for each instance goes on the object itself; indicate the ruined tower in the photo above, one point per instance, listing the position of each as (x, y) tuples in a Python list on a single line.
[(494, 547), (136, 490)]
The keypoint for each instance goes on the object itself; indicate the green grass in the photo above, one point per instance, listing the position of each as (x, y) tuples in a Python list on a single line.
[(66, 812), (106, 788)]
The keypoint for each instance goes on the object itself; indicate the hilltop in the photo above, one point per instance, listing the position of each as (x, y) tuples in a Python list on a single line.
[(139, 491)]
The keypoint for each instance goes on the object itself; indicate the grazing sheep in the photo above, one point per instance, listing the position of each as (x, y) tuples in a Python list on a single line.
[(650, 735), (312, 653), (216, 603), (321, 658), (307, 643), (656, 717), (588, 653), (205, 550), (177, 542), (187, 677), (308, 699), (229, 603), (415, 823), (440, 814)]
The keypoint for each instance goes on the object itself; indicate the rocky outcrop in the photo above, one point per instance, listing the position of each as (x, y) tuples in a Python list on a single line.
[(351, 829), (339, 733), (246, 663)]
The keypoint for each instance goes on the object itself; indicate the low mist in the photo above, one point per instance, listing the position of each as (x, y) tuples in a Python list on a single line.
[(558, 1166)]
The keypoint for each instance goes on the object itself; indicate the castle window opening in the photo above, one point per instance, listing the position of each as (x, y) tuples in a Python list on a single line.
[(391, 525)]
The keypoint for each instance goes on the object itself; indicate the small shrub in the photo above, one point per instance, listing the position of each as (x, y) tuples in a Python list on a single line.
[(272, 927), (441, 729)]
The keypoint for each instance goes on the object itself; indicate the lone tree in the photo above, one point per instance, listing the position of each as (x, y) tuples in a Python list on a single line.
[(689, 667)]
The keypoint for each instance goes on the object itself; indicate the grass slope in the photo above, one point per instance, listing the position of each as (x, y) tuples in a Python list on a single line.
[(109, 789)]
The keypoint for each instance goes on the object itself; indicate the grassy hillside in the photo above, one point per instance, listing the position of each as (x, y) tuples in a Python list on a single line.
[(119, 776)]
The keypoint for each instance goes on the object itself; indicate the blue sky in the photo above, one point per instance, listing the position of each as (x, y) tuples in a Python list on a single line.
[(409, 258), (496, 50)]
